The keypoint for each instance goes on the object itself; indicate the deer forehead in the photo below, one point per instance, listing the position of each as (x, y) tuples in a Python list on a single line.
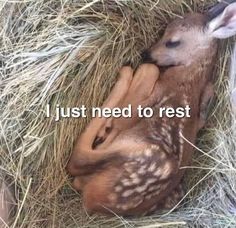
[(191, 20), (192, 35), (191, 26)]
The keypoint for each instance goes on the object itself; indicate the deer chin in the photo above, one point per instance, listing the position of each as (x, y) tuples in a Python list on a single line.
[(167, 65), (164, 68), (164, 61)]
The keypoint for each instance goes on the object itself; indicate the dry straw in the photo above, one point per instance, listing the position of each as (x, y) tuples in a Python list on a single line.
[(67, 52)]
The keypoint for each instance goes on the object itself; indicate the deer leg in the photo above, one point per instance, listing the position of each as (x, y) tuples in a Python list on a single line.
[(142, 84), (169, 202), (83, 152), (117, 95), (204, 104), (174, 197), (139, 92)]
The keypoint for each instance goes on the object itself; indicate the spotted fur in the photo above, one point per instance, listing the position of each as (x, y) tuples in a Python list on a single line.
[(135, 168)]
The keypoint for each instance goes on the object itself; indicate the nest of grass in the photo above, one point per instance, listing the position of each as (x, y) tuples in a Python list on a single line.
[(68, 52)]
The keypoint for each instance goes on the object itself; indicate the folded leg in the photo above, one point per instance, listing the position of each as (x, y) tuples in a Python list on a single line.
[(83, 152), (91, 146), (140, 91), (170, 202)]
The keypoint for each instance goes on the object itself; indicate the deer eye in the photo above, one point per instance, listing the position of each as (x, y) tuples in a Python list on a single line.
[(172, 44)]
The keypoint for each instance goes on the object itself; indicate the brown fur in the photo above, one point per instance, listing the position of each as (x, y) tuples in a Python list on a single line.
[(134, 169)]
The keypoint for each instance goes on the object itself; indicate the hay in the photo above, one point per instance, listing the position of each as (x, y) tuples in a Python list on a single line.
[(68, 52)]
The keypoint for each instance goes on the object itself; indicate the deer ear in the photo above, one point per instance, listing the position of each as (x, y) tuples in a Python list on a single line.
[(224, 25)]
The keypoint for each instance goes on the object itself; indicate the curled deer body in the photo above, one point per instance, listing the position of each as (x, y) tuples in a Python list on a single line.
[(133, 166)]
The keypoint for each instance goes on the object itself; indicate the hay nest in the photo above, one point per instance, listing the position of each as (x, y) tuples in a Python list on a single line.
[(68, 52)]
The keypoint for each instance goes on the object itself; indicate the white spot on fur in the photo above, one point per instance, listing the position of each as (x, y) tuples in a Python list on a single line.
[(142, 170), (129, 169), (136, 181), (152, 167), (148, 152), (127, 193), (155, 147), (158, 172), (151, 181), (140, 160), (118, 189), (166, 170), (133, 176), (142, 189), (126, 182)]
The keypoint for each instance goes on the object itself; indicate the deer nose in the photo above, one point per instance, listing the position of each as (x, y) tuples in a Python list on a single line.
[(146, 56)]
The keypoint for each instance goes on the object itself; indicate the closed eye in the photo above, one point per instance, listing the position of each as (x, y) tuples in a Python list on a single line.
[(172, 44)]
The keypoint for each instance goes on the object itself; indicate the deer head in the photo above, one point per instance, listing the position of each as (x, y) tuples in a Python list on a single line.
[(192, 37)]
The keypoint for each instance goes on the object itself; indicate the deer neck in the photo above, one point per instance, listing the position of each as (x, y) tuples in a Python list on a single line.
[(197, 74)]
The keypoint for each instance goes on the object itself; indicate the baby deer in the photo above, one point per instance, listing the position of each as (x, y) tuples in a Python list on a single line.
[(133, 166)]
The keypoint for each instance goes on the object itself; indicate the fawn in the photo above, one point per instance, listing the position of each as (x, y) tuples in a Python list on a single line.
[(133, 166)]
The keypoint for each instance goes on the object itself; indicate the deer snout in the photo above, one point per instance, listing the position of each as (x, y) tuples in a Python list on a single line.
[(146, 56), (154, 56)]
